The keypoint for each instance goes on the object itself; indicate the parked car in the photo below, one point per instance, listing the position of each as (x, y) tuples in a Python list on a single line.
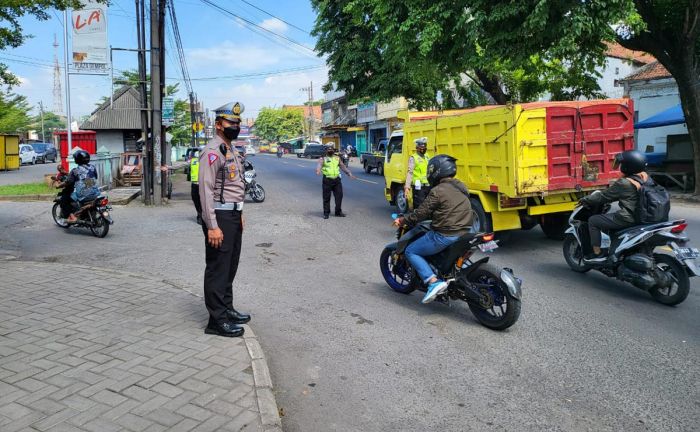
[(313, 151), (264, 148), (273, 148), (45, 152), (375, 159), (27, 154), (250, 150)]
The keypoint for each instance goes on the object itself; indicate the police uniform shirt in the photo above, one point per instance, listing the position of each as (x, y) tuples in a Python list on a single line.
[(215, 167)]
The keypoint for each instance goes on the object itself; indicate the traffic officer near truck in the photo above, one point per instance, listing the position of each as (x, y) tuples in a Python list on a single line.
[(417, 173), (330, 166), (221, 192)]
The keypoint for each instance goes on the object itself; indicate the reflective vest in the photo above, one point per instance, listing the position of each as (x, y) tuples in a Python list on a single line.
[(420, 168), (331, 167), (194, 170)]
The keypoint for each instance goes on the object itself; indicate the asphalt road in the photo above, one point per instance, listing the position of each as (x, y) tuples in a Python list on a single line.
[(348, 354), (27, 174)]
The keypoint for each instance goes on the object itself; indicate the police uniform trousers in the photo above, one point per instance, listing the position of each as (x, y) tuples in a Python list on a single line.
[(419, 195), (195, 198), (332, 185), (222, 264)]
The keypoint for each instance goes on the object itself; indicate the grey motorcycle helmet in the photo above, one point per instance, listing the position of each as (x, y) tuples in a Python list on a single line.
[(441, 166)]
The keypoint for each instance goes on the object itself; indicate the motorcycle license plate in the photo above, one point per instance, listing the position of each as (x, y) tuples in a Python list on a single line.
[(488, 246), (687, 253)]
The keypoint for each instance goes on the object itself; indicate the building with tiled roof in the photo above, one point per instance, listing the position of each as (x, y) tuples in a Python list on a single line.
[(651, 71), (615, 50)]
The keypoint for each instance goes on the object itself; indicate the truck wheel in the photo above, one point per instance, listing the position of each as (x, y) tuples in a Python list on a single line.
[(481, 221), (367, 168), (401, 201), (554, 225)]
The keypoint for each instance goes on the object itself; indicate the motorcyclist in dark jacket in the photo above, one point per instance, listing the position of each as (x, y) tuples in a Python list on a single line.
[(448, 207), (80, 184), (625, 191)]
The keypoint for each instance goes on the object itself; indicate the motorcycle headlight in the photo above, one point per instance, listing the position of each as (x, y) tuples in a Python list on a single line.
[(513, 284)]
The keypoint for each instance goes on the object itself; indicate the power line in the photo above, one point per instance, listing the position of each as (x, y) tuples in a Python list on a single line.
[(178, 45), (276, 17), (259, 74), (252, 25)]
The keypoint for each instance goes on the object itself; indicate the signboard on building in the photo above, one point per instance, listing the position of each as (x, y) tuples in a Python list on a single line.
[(90, 47), (366, 112), (168, 111)]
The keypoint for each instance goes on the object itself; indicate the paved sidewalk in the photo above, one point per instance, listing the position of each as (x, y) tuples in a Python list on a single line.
[(87, 349)]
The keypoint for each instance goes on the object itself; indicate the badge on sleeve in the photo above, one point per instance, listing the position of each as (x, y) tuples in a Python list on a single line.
[(212, 158)]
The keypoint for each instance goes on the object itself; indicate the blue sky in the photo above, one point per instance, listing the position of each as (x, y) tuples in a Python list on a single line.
[(215, 45)]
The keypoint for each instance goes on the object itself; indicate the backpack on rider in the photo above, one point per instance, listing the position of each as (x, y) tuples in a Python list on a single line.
[(654, 201)]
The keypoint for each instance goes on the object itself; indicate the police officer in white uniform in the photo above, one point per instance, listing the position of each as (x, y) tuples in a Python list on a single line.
[(221, 192)]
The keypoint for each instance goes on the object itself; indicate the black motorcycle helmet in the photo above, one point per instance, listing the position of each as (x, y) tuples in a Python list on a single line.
[(441, 166), (81, 157), (630, 162)]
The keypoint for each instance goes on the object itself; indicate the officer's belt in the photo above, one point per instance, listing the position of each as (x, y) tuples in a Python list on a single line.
[(229, 206)]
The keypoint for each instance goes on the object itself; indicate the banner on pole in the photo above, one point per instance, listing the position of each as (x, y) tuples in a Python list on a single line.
[(90, 47), (168, 112)]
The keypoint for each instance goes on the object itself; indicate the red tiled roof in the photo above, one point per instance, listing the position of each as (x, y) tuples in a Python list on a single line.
[(652, 71), (618, 51)]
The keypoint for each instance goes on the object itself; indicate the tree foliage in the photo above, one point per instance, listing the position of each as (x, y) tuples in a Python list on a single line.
[(14, 115), (278, 124)]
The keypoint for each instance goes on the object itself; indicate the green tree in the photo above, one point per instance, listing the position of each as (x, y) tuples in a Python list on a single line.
[(278, 124), (14, 113), (11, 33)]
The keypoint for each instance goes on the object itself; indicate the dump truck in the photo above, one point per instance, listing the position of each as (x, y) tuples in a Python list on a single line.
[(524, 164)]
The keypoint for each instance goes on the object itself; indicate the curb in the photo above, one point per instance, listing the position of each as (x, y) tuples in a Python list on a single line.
[(24, 198), (686, 198), (267, 405)]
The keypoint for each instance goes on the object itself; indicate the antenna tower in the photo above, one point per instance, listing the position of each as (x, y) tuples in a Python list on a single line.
[(57, 94)]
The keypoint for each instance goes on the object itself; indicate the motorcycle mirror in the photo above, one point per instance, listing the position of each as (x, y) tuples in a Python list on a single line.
[(394, 215)]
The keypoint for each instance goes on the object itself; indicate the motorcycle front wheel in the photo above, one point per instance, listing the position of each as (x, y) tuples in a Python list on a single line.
[(573, 255), (679, 288), (257, 193), (499, 310), (100, 228), (397, 275), (56, 213)]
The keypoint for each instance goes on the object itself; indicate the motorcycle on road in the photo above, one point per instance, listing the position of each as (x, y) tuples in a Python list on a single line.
[(252, 187), (654, 258), (492, 294), (93, 214)]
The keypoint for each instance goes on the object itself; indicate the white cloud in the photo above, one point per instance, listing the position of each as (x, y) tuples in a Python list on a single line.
[(24, 83), (275, 25), (229, 57)]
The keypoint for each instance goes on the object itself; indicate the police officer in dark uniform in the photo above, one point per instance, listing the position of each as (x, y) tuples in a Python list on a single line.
[(221, 192)]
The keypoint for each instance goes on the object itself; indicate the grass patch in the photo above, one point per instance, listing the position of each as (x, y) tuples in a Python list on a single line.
[(27, 189)]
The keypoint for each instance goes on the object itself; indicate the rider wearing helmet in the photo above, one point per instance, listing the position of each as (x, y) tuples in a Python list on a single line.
[(624, 190), (80, 185), (448, 207)]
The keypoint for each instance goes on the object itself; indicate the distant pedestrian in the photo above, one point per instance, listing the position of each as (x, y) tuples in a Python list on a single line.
[(417, 173), (330, 166), (194, 190), (221, 192)]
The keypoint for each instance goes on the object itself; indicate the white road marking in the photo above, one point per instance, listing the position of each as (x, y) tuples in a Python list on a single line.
[(366, 181)]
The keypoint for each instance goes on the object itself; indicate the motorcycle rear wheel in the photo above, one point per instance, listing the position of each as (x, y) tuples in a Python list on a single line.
[(573, 255), (56, 213), (398, 276), (101, 227), (257, 193), (502, 310), (681, 281)]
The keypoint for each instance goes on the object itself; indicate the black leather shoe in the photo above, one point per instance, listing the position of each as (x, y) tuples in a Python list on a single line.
[(325, 216), (224, 328), (199, 220), (341, 214), (237, 317)]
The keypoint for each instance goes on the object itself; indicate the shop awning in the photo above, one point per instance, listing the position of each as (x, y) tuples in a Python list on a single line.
[(671, 116)]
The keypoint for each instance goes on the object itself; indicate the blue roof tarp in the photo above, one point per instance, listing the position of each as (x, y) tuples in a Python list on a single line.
[(671, 116)]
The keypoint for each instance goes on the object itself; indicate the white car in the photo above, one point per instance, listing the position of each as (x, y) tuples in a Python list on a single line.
[(27, 154), (249, 150)]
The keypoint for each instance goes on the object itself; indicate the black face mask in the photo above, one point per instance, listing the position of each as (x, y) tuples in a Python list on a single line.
[(330, 152), (231, 132)]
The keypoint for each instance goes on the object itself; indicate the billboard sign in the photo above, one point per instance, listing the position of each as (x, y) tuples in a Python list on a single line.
[(90, 47)]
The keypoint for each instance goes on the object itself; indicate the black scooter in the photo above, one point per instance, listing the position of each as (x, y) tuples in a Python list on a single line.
[(492, 294), (93, 214), (652, 257)]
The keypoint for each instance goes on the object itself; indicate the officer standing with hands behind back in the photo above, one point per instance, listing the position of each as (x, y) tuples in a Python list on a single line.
[(330, 166), (417, 173), (221, 192)]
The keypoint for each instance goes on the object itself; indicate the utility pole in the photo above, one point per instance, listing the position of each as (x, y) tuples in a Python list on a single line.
[(156, 99), (145, 151), (310, 92), (41, 110), (69, 132)]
